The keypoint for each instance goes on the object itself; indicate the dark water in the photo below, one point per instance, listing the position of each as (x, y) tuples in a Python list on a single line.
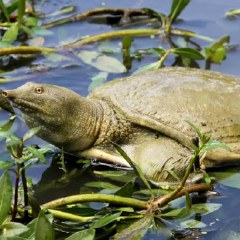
[(201, 16)]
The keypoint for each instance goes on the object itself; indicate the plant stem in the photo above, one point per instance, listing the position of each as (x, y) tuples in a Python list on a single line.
[(97, 198), (70, 216), (98, 11), (115, 34), (15, 201), (25, 50), (185, 33), (160, 202), (25, 191)]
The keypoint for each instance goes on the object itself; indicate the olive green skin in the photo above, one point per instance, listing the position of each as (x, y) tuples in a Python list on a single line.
[(147, 115)]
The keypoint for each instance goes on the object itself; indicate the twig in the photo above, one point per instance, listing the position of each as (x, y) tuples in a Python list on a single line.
[(115, 34), (25, 50), (97, 198), (98, 11)]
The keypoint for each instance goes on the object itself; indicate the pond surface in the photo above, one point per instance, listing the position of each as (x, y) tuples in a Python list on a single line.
[(201, 16)]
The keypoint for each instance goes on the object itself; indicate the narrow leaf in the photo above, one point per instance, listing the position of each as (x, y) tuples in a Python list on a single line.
[(36, 153), (31, 133), (4, 9), (188, 53), (43, 228), (136, 168), (137, 230), (106, 220), (5, 195), (21, 10), (88, 234), (13, 229), (176, 8), (213, 144)]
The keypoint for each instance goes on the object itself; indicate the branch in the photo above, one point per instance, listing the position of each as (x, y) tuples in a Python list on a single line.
[(115, 34), (25, 50), (97, 198)]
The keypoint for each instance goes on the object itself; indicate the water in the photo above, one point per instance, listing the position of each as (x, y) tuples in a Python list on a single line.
[(201, 16)]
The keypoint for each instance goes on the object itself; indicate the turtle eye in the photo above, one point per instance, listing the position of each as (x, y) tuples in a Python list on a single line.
[(38, 90)]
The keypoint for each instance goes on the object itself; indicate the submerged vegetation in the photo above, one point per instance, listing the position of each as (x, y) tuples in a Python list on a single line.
[(128, 211)]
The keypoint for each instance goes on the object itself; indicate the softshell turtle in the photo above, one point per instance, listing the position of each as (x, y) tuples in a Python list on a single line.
[(145, 114)]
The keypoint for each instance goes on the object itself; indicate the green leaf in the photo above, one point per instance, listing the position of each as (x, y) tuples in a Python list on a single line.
[(149, 67), (196, 129), (56, 57), (104, 185), (88, 234), (176, 213), (6, 164), (230, 179), (213, 144), (11, 34), (106, 220), (136, 168), (43, 228), (217, 51), (97, 80), (4, 9), (137, 230), (30, 21), (13, 229), (126, 190), (21, 10), (205, 208), (188, 53), (36, 153), (193, 224), (5, 195), (7, 125), (30, 133), (176, 8), (102, 62)]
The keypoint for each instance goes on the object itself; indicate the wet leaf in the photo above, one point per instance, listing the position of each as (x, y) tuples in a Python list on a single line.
[(21, 9), (176, 213), (11, 34), (97, 80), (104, 185), (102, 62), (30, 133), (36, 153), (217, 51), (30, 21), (137, 230), (106, 220), (213, 144), (229, 179), (5, 195), (188, 53), (126, 190), (149, 67), (88, 234), (193, 224), (206, 208), (176, 8), (13, 229), (6, 165), (136, 168), (43, 228), (4, 9), (7, 125), (56, 57)]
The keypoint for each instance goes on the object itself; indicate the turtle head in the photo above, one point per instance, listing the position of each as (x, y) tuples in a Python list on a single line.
[(49, 106), (44, 102)]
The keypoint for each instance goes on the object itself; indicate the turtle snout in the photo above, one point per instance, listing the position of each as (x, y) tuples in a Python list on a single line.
[(10, 94)]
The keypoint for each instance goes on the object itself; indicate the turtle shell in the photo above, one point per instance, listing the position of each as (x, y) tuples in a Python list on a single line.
[(167, 99)]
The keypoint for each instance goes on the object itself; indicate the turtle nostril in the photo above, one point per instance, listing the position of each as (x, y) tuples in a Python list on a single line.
[(10, 94), (4, 94)]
